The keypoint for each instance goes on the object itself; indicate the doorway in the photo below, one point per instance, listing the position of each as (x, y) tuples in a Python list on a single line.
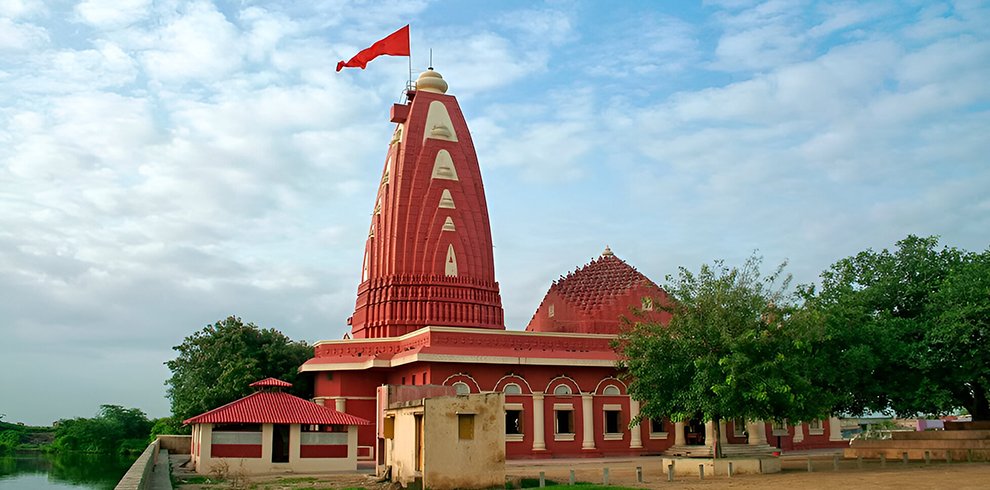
[(280, 443), (418, 465), (694, 432)]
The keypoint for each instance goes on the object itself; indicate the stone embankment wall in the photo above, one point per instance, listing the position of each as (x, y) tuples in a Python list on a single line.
[(138, 477)]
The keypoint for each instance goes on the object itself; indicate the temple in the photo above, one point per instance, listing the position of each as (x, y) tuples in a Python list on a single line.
[(429, 312)]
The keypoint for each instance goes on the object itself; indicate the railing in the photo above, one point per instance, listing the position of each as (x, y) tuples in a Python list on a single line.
[(138, 477)]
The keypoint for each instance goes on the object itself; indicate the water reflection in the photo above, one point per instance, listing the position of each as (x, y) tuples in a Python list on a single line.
[(72, 470)]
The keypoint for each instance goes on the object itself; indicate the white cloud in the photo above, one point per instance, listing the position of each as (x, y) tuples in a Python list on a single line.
[(15, 36), (21, 8), (199, 44), (109, 14)]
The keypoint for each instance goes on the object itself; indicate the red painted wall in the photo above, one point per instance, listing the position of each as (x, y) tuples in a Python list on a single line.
[(235, 450), (323, 451)]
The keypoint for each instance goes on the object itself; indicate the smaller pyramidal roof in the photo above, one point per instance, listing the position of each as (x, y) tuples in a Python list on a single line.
[(270, 382), (274, 407), (592, 298), (593, 286)]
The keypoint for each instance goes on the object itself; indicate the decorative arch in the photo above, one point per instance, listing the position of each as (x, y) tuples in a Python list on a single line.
[(461, 388), (465, 378), (563, 379), (513, 378), (438, 123), (610, 381)]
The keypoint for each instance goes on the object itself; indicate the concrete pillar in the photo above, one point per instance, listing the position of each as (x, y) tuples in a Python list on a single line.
[(679, 433), (723, 438), (709, 433), (834, 429), (757, 433), (636, 432), (341, 404), (266, 442), (539, 444), (294, 445), (588, 430), (798, 432)]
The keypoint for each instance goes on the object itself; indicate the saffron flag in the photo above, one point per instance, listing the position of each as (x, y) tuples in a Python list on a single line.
[(395, 44)]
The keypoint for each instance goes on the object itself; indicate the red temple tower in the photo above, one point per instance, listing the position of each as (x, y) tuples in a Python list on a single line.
[(428, 258)]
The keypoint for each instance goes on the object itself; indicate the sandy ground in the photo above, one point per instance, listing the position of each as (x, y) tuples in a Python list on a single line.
[(622, 472)]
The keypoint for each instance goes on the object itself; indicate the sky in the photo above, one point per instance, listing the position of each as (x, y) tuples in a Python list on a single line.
[(166, 164)]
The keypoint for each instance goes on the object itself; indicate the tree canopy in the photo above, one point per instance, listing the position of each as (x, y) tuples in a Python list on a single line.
[(216, 364), (115, 429), (736, 346), (907, 330)]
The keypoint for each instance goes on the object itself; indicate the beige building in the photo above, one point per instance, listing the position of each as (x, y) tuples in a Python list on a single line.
[(273, 432), (447, 442)]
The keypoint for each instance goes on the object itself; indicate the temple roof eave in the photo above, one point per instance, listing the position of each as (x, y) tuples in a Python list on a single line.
[(328, 364), (466, 330)]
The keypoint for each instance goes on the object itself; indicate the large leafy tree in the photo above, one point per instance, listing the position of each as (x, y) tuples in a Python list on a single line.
[(216, 364), (114, 429), (958, 345), (737, 345), (907, 329)]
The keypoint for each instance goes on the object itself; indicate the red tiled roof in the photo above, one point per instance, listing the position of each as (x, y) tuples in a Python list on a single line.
[(267, 407), (271, 382), (597, 283)]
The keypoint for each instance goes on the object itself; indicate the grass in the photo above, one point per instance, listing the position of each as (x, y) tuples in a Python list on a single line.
[(199, 480), (298, 479)]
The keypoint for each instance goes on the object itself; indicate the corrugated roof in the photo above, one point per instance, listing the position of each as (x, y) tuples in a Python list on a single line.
[(271, 382), (267, 407)]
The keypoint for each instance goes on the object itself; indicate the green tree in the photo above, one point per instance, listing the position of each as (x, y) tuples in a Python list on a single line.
[(737, 345), (167, 425), (216, 364), (958, 344), (906, 329), (115, 429)]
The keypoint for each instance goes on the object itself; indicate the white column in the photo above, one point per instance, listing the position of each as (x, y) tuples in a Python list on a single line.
[(757, 433), (294, 443), (798, 432), (266, 442), (636, 431), (834, 429), (710, 433), (679, 433), (588, 432), (539, 444), (723, 439), (341, 404)]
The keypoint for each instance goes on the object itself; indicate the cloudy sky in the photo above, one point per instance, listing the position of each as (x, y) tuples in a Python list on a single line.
[(166, 164)]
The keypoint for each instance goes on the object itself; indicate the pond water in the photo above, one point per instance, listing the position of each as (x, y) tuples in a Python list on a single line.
[(38, 471)]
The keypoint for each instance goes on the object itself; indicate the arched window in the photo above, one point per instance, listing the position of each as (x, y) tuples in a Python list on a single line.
[(512, 389), (462, 388), (562, 390), (611, 390)]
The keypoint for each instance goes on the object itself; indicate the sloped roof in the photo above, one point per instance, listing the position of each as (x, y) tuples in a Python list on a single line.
[(270, 382), (268, 407), (597, 283)]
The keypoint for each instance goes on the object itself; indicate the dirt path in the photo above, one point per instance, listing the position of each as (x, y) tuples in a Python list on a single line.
[(622, 472)]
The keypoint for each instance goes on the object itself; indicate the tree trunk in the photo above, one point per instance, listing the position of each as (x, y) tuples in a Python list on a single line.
[(980, 409), (716, 435)]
